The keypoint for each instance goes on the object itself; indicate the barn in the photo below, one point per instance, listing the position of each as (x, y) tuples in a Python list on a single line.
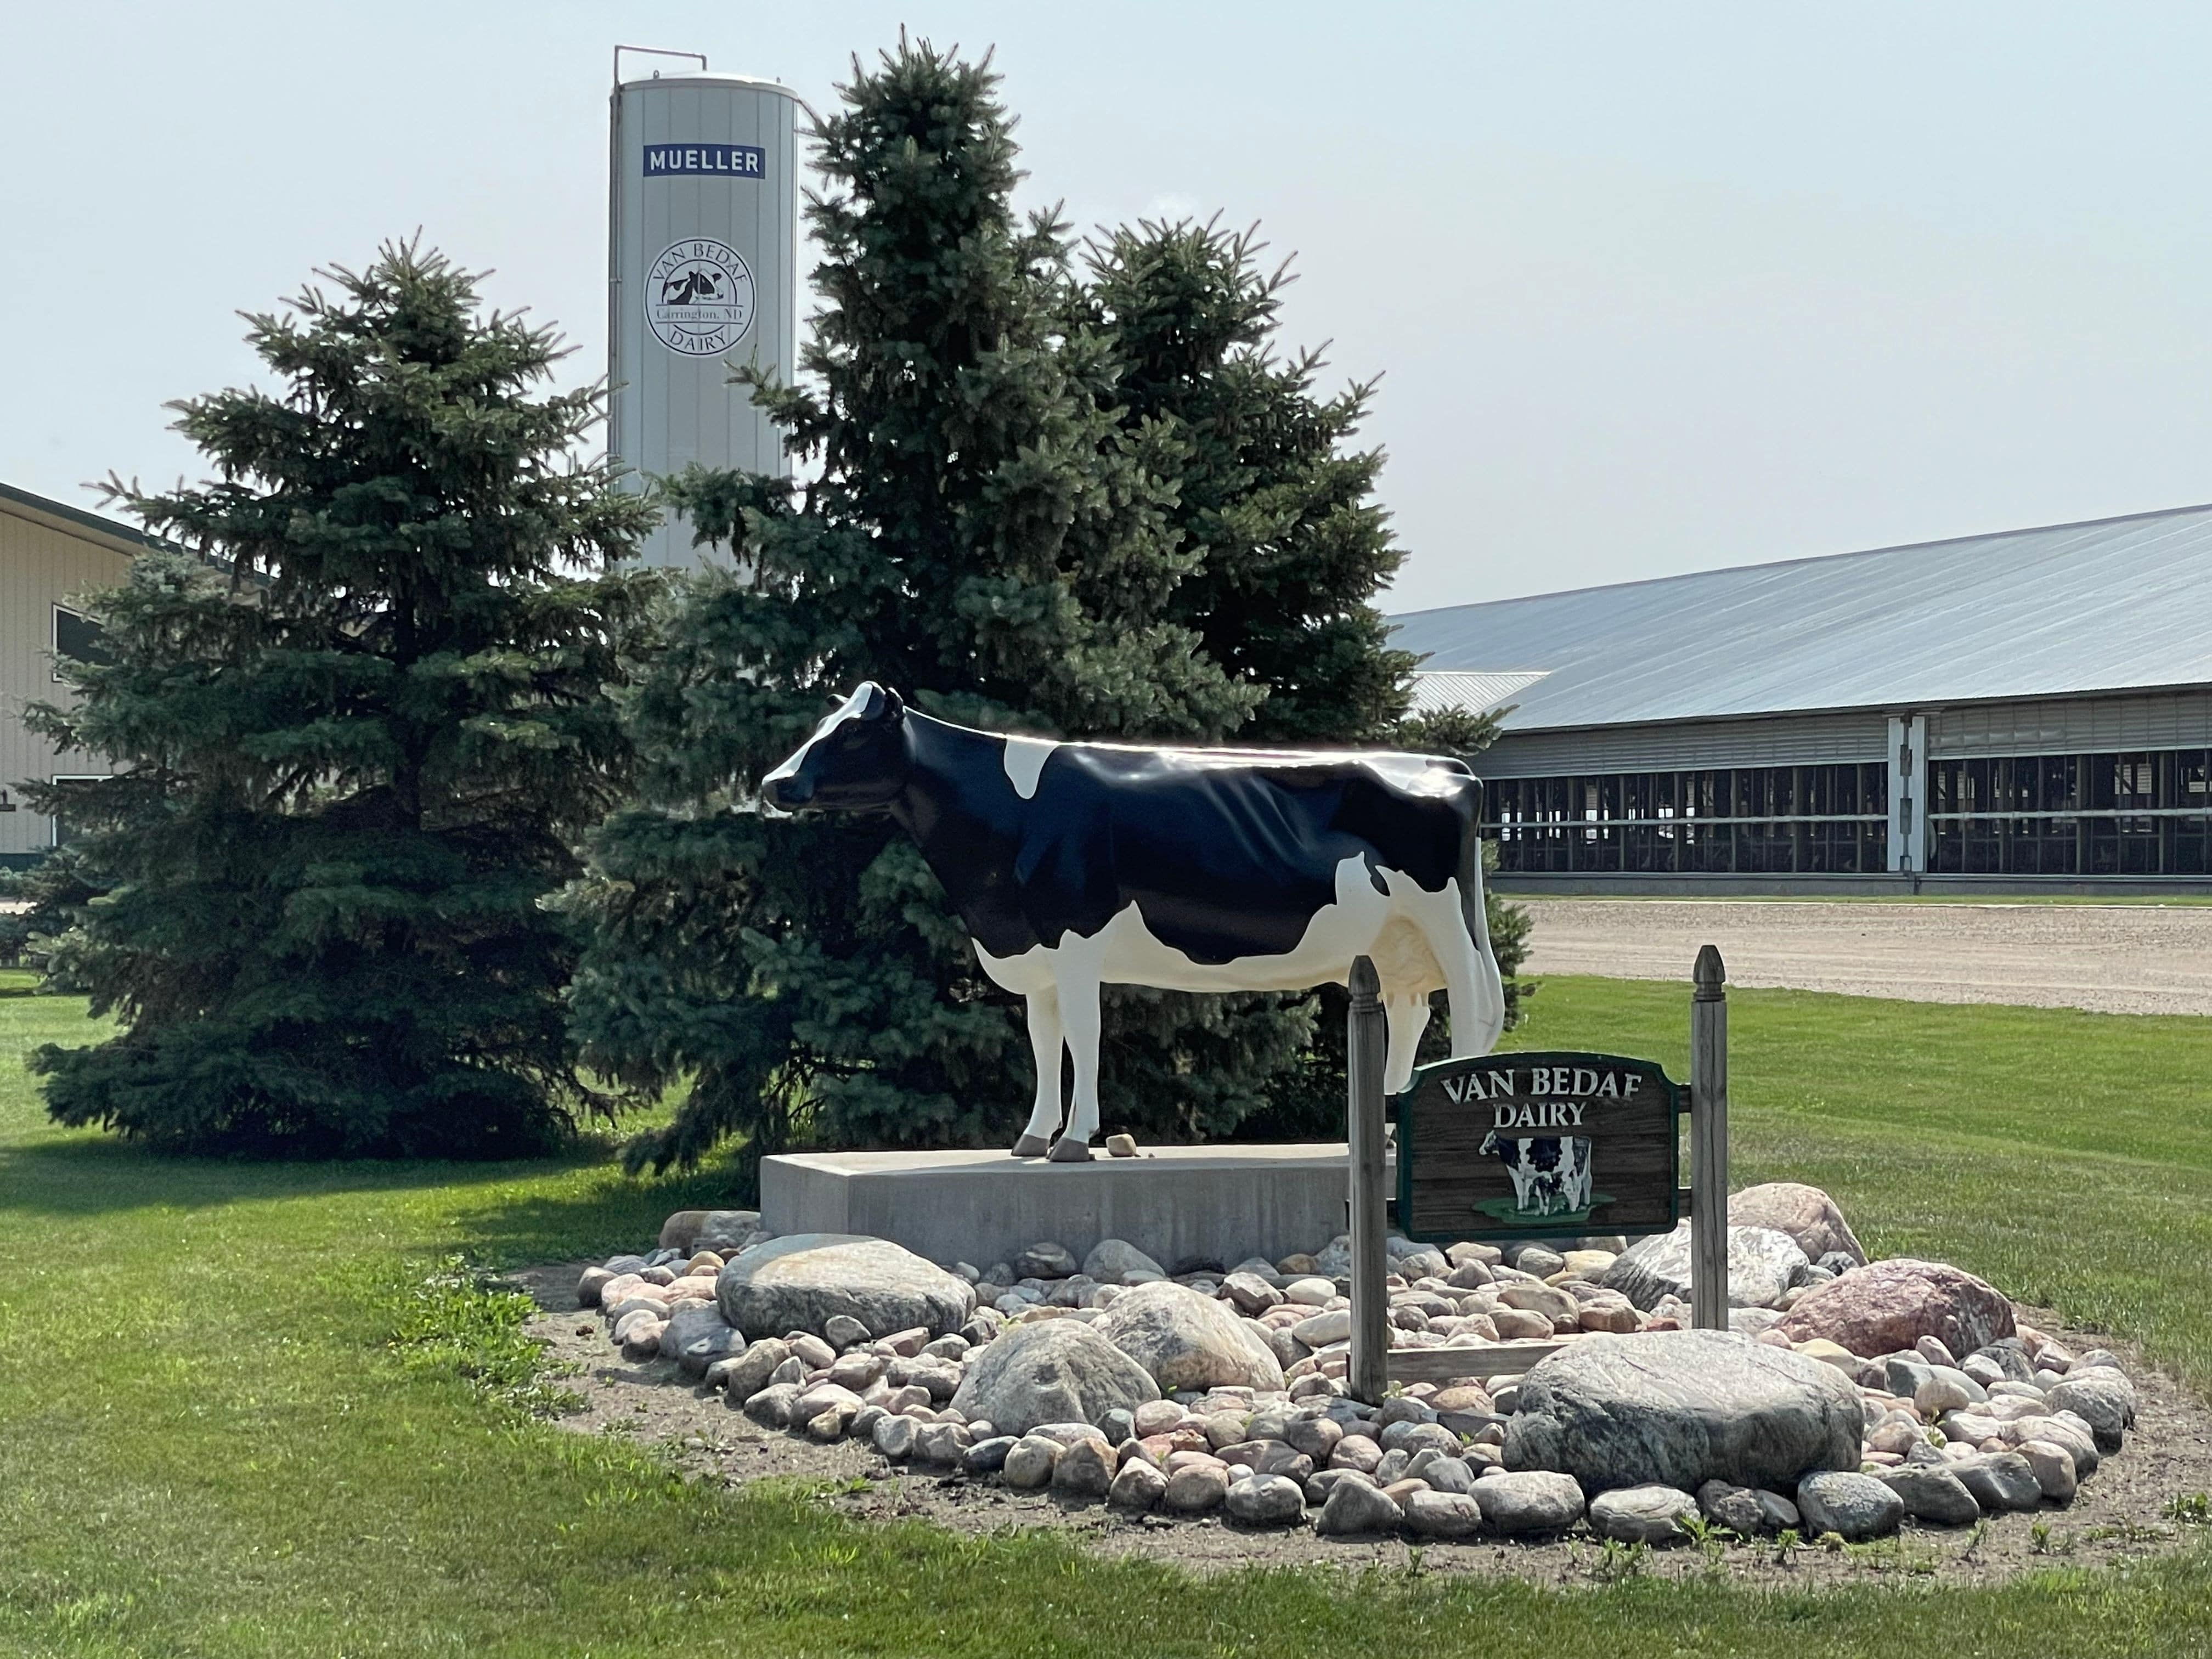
[(2025, 711)]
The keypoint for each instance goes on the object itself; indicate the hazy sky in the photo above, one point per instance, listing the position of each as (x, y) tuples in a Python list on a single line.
[(1653, 288)]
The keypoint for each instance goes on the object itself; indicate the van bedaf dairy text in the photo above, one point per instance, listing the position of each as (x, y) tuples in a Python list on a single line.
[(1570, 1088)]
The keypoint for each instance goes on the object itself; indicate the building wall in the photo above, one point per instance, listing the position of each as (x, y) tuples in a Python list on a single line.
[(45, 558), (2089, 791)]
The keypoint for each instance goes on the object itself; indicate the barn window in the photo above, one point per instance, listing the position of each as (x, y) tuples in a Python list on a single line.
[(78, 638)]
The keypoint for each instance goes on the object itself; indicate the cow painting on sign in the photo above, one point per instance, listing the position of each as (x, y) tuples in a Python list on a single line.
[(1550, 1173), (1078, 865)]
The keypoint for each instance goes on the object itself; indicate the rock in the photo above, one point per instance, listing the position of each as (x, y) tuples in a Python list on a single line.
[(1537, 1259), (1084, 1469), (770, 1407), (1354, 1507), (2054, 1468), (1267, 1500), (1053, 1372), (1737, 1508), (985, 1456), (1888, 1305), (1555, 1304), (1943, 1389), (2101, 1396), (1679, 1408), (1309, 1292), (2000, 1481), (1831, 1353), (749, 1373), (2069, 1432), (1853, 1506), (942, 1446), (1046, 1259), (1933, 1493), (1333, 1325), (1156, 1416), (1029, 1462), (1529, 1501), (697, 1336), (803, 1281), (1110, 1258), (1441, 1514), (1137, 1487), (842, 1331), (1120, 1145), (1809, 1215), (640, 1334), (588, 1286), (1250, 1293), (1186, 1340), (1642, 1515), (726, 1232), (1317, 1437), (1761, 1261), (1196, 1489), (2008, 1358)]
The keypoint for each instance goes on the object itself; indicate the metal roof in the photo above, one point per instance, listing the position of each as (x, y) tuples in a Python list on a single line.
[(2111, 604), (1437, 691), (74, 517)]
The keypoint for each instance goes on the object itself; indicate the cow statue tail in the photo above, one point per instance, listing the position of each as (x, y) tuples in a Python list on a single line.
[(1489, 994)]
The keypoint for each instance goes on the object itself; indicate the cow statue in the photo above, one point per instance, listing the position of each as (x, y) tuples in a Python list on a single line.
[(1078, 865)]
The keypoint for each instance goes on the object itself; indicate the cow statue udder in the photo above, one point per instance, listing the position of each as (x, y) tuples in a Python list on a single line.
[(1078, 865)]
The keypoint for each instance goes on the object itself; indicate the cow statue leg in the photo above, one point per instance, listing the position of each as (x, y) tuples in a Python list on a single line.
[(1045, 1044), (1079, 1018), (1471, 987), (1407, 1013)]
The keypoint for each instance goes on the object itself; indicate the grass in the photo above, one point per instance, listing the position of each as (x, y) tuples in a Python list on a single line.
[(252, 1409)]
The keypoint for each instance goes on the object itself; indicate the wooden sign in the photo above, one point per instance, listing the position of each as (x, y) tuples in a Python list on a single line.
[(1538, 1146)]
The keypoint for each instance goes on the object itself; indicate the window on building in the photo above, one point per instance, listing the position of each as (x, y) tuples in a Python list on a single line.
[(2138, 813), (1767, 820), (78, 638)]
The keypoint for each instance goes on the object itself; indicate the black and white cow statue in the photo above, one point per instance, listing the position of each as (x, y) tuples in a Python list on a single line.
[(1078, 865)]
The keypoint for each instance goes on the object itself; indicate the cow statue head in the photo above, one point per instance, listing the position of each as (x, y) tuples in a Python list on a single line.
[(856, 761)]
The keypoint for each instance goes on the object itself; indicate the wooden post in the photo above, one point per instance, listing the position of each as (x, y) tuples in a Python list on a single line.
[(1709, 1299), (1370, 1306)]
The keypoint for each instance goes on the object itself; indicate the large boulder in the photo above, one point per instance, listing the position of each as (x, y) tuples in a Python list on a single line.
[(803, 1281), (1886, 1307), (725, 1231), (1809, 1215), (1186, 1340), (1762, 1262), (1054, 1371), (1679, 1408)]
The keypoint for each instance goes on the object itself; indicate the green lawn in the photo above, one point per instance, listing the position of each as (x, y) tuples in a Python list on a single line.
[(213, 1447)]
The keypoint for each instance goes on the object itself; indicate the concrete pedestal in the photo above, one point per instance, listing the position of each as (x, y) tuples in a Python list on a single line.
[(1175, 1204)]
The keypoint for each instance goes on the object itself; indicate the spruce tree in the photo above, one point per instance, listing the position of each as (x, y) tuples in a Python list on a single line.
[(358, 722)]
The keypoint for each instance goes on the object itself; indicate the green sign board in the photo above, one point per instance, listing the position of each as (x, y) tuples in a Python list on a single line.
[(1528, 1145)]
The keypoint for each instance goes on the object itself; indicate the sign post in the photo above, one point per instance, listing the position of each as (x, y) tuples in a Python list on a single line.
[(1531, 1146), (1709, 1298), (1371, 1303)]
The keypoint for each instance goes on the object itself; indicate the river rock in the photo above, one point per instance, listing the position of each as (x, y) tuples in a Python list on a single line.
[(1084, 1469), (1110, 1258), (1885, 1306), (2054, 1468), (1046, 1259), (1055, 1370), (1186, 1340), (1530, 1501), (1933, 1491), (1809, 1215), (1196, 1489), (1353, 1507), (1138, 1486), (1267, 1500), (1441, 1514), (1679, 1408), (2000, 1481), (1642, 1515), (1029, 1462), (1761, 1262), (697, 1335), (1852, 1506), (801, 1282), (2101, 1396)]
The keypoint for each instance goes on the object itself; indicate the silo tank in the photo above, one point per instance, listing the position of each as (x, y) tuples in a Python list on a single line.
[(702, 275)]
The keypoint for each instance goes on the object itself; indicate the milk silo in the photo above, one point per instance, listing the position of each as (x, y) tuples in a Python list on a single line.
[(701, 260)]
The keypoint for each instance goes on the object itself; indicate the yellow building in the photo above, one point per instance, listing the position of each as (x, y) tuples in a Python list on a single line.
[(50, 553)]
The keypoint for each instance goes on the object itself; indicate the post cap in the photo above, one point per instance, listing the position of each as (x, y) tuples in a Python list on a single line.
[(1710, 973), (1365, 982)]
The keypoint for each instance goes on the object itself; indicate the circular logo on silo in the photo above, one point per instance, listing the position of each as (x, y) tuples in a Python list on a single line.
[(698, 297)]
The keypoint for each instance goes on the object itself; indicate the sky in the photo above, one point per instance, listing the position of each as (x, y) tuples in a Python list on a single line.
[(1650, 287)]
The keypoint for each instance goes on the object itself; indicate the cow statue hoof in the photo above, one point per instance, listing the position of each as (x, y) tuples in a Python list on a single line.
[(1068, 1150), (1031, 1146)]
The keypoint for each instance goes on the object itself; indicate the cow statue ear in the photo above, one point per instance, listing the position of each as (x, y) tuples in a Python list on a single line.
[(894, 706)]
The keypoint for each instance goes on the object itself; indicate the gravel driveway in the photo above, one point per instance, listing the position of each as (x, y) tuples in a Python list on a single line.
[(2116, 958)]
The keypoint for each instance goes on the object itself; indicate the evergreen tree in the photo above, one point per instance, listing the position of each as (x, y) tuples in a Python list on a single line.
[(356, 736)]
